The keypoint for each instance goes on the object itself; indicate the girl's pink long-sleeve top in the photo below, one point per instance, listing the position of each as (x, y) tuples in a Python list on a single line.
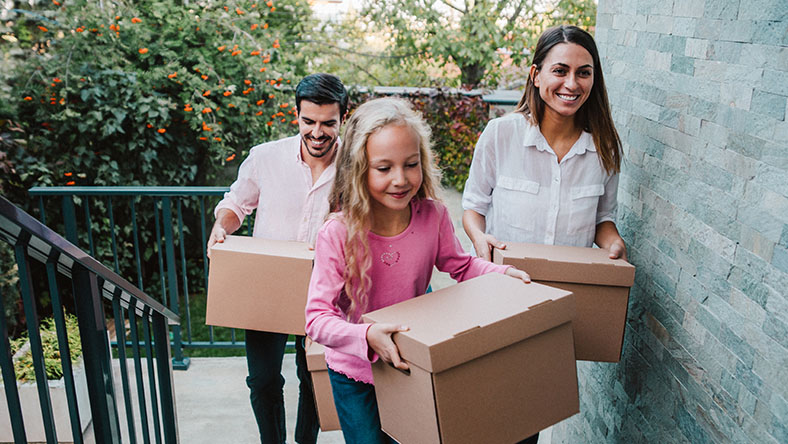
[(401, 269)]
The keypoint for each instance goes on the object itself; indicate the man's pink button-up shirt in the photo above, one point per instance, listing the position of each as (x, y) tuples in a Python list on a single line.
[(275, 180)]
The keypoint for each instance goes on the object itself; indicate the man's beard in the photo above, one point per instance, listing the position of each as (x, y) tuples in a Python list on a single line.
[(315, 153)]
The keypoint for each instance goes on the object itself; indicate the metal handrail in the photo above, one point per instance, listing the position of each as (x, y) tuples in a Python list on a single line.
[(93, 285)]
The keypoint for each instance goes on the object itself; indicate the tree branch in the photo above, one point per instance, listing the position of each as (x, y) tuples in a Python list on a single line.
[(456, 8), (516, 13)]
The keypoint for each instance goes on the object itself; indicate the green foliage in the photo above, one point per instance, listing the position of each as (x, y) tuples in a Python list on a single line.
[(456, 121), (23, 365), (155, 93), (479, 37)]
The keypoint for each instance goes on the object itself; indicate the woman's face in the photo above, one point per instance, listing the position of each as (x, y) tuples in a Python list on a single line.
[(565, 79)]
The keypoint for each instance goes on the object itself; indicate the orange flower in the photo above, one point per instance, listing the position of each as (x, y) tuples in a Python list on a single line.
[(43, 28), (265, 25), (227, 93), (69, 174), (149, 125), (143, 50), (260, 102), (258, 113), (284, 105), (80, 29), (222, 48), (235, 53), (273, 9), (269, 123), (206, 93), (188, 108), (70, 182), (231, 106), (112, 27), (247, 82), (206, 110), (276, 43), (57, 3), (172, 76), (294, 122), (238, 11), (255, 52), (218, 139), (136, 20), (62, 101), (117, 17), (235, 47), (269, 3), (203, 138), (262, 69), (230, 157), (206, 127), (196, 69), (28, 98), (270, 96), (267, 60), (254, 26), (162, 130)]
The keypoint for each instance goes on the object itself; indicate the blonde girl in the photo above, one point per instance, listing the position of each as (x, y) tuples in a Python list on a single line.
[(377, 249)]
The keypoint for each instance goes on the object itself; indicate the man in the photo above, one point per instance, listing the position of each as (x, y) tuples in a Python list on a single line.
[(288, 181)]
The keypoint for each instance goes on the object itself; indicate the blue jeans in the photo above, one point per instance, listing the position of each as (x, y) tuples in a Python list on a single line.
[(264, 353), (357, 408)]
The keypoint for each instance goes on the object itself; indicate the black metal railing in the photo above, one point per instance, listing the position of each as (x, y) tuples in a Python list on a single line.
[(94, 287)]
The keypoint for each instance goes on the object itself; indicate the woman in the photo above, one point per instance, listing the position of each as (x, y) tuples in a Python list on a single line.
[(548, 173)]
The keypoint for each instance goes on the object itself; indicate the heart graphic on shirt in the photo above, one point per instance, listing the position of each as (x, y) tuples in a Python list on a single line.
[(390, 258)]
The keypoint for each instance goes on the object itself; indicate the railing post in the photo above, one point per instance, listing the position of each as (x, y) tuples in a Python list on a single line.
[(164, 371), (179, 362), (95, 344), (11, 392), (70, 220)]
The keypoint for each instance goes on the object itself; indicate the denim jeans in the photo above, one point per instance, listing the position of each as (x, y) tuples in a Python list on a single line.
[(264, 354), (357, 408)]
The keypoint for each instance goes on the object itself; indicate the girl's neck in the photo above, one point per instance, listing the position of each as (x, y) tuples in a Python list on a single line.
[(561, 132), (387, 222)]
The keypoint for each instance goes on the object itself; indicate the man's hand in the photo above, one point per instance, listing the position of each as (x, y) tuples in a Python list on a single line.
[(518, 274), (379, 340), (618, 250), (226, 223), (218, 234)]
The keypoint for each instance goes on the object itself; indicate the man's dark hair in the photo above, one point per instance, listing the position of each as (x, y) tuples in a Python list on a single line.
[(322, 89)]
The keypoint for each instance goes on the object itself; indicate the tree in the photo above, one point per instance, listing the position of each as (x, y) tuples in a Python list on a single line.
[(477, 36)]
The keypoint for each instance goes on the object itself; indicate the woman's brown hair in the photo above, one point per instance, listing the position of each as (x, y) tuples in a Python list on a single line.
[(594, 115)]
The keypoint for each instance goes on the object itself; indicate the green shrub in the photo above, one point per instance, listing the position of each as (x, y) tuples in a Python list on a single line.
[(23, 365)]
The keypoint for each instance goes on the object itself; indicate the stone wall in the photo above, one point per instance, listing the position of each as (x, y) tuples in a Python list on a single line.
[(698, 90)]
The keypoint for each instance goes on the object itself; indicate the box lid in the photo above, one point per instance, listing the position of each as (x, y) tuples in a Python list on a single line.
[(560, 263), (269, 247), (315, 355), (470, 319)]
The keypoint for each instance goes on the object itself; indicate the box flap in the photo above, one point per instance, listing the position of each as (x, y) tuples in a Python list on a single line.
[(462, 322), (269, 247), (560, 263), (315, 355)]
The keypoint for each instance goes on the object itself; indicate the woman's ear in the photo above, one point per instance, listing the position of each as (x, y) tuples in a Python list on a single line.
[(534, 74)]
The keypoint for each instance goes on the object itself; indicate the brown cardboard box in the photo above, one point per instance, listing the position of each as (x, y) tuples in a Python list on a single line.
[(324, 397), (601, 288), (491, 361), (259, 284)]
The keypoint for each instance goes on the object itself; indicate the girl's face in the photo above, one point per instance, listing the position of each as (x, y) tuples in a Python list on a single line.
[(565, 79), (394, 175)]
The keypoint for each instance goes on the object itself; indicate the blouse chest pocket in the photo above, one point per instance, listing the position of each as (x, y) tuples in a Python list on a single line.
[(584, 200), (516, 201)]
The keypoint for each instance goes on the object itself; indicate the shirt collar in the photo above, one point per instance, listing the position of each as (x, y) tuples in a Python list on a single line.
[(535, 139)]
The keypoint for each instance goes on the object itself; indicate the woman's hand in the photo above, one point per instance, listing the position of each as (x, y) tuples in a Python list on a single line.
[(618, 250), (484, 245), (379, 340), (519, 274)]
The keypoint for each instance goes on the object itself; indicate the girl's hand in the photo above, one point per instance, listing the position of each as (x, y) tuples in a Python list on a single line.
[(519, 274), (484, 245), (379, 339), (618, 250)]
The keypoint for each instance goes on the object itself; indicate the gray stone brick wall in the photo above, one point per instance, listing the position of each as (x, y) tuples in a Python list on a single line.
[(699, 91)]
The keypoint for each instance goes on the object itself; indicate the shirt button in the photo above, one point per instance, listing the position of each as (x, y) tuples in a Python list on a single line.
[(557, 179)]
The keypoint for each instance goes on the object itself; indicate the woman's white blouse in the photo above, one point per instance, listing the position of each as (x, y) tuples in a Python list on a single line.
[(525, 195)]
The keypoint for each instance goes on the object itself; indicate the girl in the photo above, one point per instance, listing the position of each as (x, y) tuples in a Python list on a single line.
[(548, 173), (379, 249)]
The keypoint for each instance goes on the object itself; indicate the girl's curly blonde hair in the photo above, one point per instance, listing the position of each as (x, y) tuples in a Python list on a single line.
[(350, 194)]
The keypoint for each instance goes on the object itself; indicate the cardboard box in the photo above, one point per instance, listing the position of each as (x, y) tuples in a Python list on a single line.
[(601, 288), (324, 397), (259, 284), (491, 361)]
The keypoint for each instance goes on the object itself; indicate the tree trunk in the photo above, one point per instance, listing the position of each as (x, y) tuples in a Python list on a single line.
[(471, 75)]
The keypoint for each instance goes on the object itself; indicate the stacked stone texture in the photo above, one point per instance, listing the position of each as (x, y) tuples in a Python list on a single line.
[(698, 90)]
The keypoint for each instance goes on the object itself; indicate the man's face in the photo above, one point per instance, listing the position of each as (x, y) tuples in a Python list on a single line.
[(319, 128)]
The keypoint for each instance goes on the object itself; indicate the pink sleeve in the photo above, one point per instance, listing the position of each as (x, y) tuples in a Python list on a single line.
[(325, 322), (456, 261), (244, 193)]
